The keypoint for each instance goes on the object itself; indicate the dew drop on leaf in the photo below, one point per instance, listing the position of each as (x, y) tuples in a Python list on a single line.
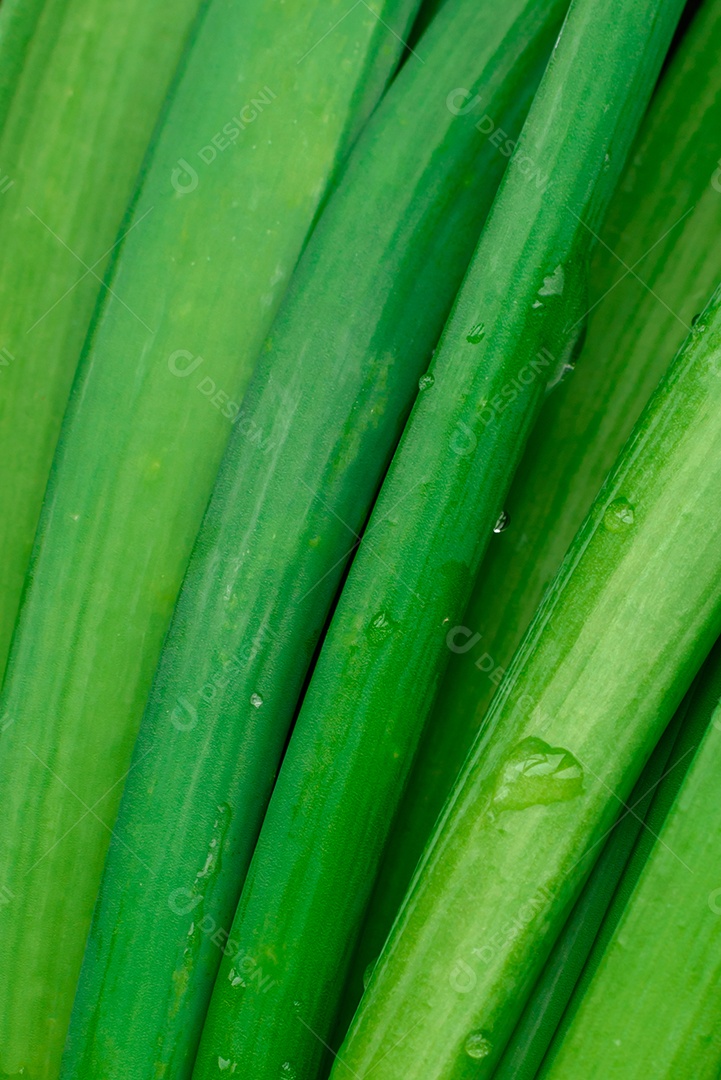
[(553, 284), (367, 973), (380, 627), (536, 774), (619, 515), (478, 1045), (502, 523)]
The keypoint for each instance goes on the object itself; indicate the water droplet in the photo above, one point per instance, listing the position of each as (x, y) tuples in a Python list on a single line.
[(476, 333), (565, 364), (536, 774), (478, 1045), (367, 973), (503, 522), (553, 284), (256, 701), (380, 627), (426, 381), (619, 515), (207, 867)]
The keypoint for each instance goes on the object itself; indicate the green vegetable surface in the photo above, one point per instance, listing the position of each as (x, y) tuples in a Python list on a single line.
[(81, 86), (269, 100), (18, 22), (535, 1029), (363, 312), (653, 272), (625, 626), (650, 1007), (343, 772)]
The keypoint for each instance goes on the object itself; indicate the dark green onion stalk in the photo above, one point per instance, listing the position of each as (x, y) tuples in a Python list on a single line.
[(647, 1004), (557, 982), (614, 646), (649, 278), (215, 231), (509, 337), (81, 87), (365, 308)]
